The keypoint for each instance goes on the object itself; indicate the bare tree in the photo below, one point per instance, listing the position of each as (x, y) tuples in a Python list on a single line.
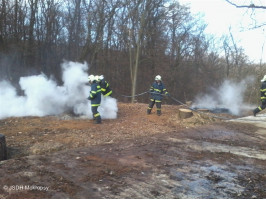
[(33, 12), (98, 17), (3, 17), (141, 14)]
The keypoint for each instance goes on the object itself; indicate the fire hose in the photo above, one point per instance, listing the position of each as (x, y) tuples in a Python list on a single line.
[(135, 95), (195, 110)]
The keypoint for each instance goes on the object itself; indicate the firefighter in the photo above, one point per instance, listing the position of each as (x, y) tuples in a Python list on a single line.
[(262, 97), (95, 98), (156, 90), (105, 87)]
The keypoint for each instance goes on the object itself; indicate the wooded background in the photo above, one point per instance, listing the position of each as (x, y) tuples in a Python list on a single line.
[(128, 41)]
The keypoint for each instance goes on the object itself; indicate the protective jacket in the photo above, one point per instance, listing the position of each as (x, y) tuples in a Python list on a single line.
[(156, 90), (95, 94), (105, 87), (263, 91)]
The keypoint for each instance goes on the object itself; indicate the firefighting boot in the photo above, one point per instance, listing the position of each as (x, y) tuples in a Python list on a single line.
[(255, 111), (149, 111), (159, 112), (98, 120)]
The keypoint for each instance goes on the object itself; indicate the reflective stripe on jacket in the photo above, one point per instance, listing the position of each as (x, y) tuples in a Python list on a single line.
[(95, 94), (105, 87), (157, 89), (263, 91)]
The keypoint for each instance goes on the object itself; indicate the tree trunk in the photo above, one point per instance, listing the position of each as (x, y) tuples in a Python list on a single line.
[(3, 154), (134, 72), (185, 113)]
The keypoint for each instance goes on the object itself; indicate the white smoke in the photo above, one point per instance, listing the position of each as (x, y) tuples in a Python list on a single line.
[(229, 95), (42, 96)]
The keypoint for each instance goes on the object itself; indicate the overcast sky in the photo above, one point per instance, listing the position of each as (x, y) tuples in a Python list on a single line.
[(220, 15)]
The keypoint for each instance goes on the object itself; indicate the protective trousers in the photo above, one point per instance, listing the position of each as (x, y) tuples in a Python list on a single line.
[(158, 105), (260, 108), (96, 114)]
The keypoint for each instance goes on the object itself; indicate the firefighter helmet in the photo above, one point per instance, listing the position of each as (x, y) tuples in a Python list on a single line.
[(101, 77), (91, 78), (96, 78), (158, 78), (264, 79)]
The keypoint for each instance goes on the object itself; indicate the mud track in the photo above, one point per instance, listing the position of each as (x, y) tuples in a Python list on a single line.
[(134, 156)]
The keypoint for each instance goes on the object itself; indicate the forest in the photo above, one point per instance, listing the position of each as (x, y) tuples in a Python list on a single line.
[(128, 41)]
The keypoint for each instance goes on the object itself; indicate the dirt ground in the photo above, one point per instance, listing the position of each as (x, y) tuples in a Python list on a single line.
[(134, 156)]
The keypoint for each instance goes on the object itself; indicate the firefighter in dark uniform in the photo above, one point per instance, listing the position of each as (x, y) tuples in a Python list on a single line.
[(156, 90), (262, 97), (105, 87), (95, 98)]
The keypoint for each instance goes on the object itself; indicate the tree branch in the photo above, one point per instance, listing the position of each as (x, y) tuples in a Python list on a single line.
[(246, 6)]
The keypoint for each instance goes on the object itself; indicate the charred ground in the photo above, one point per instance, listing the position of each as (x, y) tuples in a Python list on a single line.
[(133, 156)]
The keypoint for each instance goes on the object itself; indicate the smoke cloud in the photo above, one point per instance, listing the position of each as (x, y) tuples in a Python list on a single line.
[(229, 95), (42, 96)]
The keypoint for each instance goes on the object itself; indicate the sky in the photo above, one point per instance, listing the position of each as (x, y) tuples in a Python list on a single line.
[(220, 16)]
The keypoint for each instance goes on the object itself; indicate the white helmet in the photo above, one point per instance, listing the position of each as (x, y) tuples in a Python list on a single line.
[(91, 78), (158, 78), (96, 78), (264, 79), (101, 77)]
